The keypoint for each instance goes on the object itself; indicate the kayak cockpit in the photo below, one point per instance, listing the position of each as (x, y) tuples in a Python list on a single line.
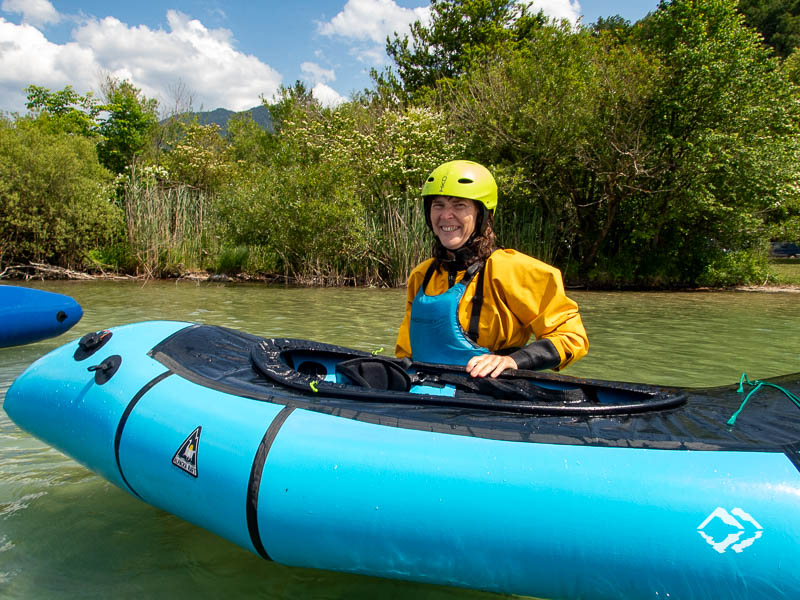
[(323, 370)]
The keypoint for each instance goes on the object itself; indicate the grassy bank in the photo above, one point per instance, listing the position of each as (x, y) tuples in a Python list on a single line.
[(787, 270)]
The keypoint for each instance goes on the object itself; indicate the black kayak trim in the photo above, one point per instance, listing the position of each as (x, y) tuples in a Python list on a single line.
[(793, 452), (124, 419), (254, 484)]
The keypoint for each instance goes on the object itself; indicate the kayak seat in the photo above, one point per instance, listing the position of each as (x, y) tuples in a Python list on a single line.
[(375, 373)]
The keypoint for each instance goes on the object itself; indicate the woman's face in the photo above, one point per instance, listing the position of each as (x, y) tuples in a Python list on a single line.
[(453, 220)]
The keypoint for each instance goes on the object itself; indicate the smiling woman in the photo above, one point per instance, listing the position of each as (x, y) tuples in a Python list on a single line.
[(477, 306), (453, 220)]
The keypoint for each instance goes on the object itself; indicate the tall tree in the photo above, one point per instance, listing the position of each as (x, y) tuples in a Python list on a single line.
[(562, 121), (459, 33), (661, 160), (65, 110), (132, 119)]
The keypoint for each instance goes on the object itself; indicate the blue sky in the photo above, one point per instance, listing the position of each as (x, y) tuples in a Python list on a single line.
[(211, 54)]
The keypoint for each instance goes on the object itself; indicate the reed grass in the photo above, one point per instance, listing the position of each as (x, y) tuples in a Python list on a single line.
[(525, 227), (400, 239), (168, 226)]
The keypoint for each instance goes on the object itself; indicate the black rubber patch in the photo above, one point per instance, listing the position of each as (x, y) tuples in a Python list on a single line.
[(106, 369), (124, 419), (91, 343), (255, 479)]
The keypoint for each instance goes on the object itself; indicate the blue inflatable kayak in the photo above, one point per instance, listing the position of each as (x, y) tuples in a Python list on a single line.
[(29, 315), (537, 484)]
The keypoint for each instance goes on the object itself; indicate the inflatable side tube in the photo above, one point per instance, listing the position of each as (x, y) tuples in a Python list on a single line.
[(28, 315)]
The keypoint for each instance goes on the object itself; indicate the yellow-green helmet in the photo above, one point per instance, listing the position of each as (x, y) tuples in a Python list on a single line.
[(463, 179)]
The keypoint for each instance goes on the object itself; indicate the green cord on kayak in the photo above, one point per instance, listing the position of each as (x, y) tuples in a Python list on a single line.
[(757, 385)]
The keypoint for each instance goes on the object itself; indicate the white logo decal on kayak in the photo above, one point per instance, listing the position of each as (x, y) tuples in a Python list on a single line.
[(721, 517), (186, 456)]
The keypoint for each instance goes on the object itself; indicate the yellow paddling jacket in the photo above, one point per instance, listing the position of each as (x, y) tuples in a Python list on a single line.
[(523, 298)]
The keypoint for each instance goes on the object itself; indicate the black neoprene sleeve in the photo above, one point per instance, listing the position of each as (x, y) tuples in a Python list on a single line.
[(539, 355)]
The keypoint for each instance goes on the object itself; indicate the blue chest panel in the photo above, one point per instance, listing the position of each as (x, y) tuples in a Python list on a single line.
[(436, 335)]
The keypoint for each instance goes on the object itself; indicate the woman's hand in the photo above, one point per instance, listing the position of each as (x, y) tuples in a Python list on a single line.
[(489, 364)]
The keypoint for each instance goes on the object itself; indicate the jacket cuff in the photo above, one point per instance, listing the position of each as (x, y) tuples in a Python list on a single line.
[(540, 355)]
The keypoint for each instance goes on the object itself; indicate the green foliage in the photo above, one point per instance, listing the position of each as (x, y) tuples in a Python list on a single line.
[(664, 153), (642, 162), (460, 33), (561, 119), (305, 215), (124, 131), (791, 67), (54, 197), (200, 157), (64, 111), (248, 141), (337, 197), (168, 225), (127, 130), (778, 21), (615, 26), (232, 260), (737, 267), (724, 126)]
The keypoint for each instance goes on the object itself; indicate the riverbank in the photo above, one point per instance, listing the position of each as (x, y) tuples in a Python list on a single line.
[(45, 272), (788, 278)]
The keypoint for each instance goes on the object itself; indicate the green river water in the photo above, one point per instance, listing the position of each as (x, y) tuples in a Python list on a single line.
[(66, 533)]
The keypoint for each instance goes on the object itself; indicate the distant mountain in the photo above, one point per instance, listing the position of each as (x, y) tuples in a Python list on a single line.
[(221, 116)]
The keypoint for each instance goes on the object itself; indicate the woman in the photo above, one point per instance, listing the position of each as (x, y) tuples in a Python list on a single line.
[(475, 305)]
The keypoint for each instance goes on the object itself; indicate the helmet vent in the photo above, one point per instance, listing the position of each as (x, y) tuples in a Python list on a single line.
[(430, 178), (465, 180)]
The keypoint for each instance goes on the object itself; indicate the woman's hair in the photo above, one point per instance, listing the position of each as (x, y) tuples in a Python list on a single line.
[(479, 247)]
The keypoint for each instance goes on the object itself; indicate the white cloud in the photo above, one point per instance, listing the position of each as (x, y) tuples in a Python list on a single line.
[(34, 12), (27, 57), (372, 20), (316, 73), (327, 96), (203, 60), (559, 9), (367, 23)]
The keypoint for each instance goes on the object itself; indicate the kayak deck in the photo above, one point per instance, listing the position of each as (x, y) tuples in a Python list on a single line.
[(524, 406)]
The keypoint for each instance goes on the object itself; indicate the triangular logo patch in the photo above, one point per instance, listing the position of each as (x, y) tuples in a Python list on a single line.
[(186, 456)]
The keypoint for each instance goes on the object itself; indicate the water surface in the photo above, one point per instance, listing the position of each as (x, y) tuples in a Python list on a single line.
[(66, 533)]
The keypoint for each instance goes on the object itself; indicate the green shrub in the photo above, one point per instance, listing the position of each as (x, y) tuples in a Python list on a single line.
[(55, 197), (737, 267), (232, 260)]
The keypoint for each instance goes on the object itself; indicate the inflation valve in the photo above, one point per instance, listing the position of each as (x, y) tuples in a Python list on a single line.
[(91, 343), (106, 369)]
